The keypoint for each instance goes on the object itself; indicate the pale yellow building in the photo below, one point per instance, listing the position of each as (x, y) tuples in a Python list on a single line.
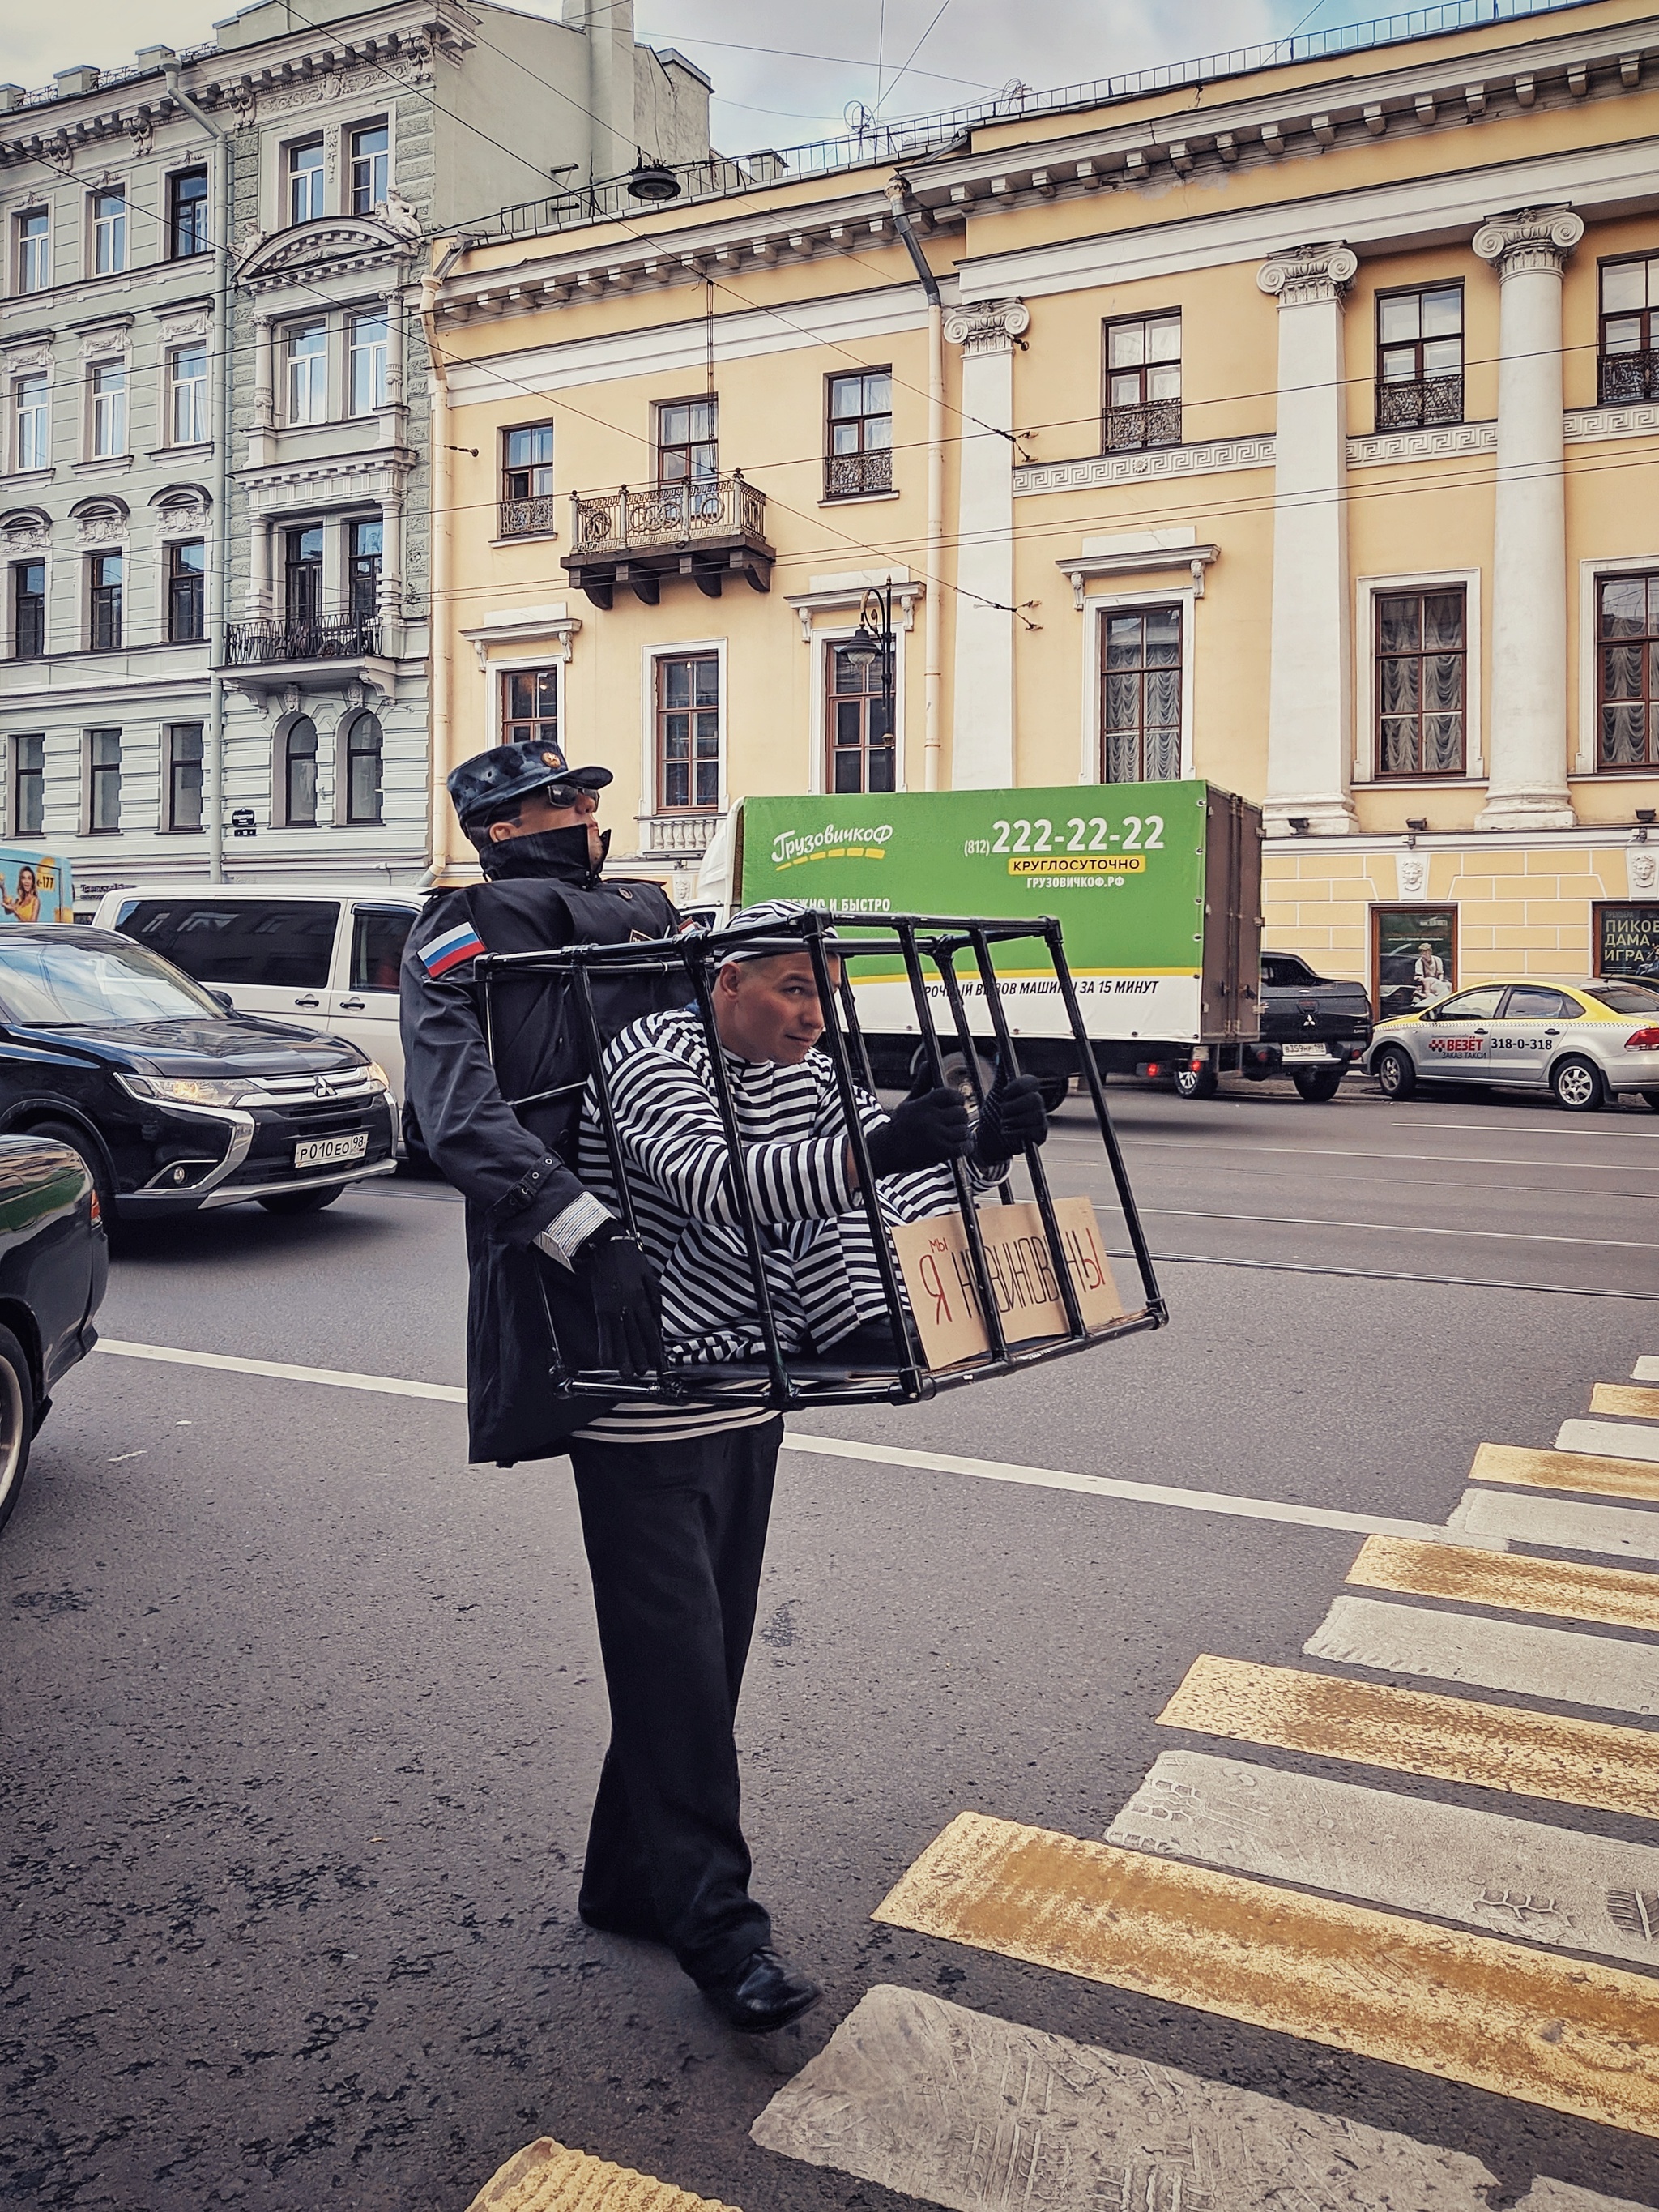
[(1291, 423)]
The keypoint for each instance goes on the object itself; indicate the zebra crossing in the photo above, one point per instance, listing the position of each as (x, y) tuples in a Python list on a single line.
[(1508, 1954)]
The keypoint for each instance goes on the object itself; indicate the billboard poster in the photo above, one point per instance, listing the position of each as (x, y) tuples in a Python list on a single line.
[(34, 887), (1122, 866), (1627, 940)]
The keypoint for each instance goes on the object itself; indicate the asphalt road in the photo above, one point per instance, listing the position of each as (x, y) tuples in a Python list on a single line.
[(302, 1716)]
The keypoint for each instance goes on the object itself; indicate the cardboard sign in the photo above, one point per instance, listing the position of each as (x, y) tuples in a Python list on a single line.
[(937, 1269)]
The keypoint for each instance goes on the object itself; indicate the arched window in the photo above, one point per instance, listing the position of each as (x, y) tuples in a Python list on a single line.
[(300, 770), (362, 769)]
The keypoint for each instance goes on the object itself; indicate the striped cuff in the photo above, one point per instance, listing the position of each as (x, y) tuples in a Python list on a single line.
[(567, 1232)]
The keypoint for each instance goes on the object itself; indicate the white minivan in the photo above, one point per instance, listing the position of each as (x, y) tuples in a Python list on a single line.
[(325, 956)]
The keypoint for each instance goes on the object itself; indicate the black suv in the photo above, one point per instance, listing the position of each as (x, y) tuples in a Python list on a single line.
[(175, 1102)]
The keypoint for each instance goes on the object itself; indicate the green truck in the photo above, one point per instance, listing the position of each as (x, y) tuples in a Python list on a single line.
[(1156, 885)]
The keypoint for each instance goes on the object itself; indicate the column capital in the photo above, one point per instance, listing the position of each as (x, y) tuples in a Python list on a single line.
[(1529, 239), (988, 326), (1310, 276)]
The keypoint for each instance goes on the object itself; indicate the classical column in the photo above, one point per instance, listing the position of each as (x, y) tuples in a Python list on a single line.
[(394, 345), (261, 445), (1310, 687), (1527, 787), (982, 709)]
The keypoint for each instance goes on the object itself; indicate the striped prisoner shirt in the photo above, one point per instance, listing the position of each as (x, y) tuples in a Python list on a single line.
[(820, 1264)]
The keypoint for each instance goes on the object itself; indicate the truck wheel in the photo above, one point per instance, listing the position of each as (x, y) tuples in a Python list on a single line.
[(1316, 1085), (1196, 1082), (17, 1420), (1578, 1085), (1395, 1076)]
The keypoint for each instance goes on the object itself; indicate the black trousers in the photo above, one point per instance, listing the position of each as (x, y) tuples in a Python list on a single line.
[(675, 1535)]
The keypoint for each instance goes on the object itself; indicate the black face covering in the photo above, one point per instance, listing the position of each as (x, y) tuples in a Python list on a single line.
[(561, 854)]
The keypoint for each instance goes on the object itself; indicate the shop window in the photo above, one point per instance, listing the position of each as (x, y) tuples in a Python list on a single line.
[(1413, 958), (1420, 357), (688, 733), (859, 458), (1627, 672), (1143, 383), (857, 723), (1141, 695), (1422, 682)]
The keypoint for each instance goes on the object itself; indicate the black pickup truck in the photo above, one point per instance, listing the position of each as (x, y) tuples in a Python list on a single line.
[(1313, 1030)]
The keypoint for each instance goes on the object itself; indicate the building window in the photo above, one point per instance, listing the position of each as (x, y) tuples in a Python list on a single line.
[(858, 724), (529, 707), (362, 765), (28, 787), (103, 780), (526, 509), (28, 609), (109, 234), (688, 448), (305, 180), (31, 437), (371, 154), (35, 249), (105, 573), (368, 363), (187, 211), (1627, 672), (306, 348), (689, 733), (1143, 383), (1141, 695), (1422, 675), (1420, 357), (109, 410), (1630, 332), (188, 409), (186, 583), (861, 455), (299, 773), (303, 573), (365, 542), (184, 775)]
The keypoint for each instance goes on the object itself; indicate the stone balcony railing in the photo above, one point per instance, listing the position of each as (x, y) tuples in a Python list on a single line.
[(677, 836)]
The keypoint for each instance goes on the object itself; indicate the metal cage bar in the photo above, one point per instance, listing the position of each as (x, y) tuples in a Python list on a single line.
[(945, 961)]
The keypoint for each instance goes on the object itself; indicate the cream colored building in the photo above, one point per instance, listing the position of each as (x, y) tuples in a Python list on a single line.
[(1290, 422)]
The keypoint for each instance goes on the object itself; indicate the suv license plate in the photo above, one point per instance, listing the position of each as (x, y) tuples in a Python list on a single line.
[(1303, 1052), (324, 1152)]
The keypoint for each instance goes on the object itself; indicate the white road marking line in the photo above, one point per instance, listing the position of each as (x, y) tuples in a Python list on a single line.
[(1398, 1228), (1610, 1673), (1556, 1524), (1508, 1129), (1646, 1369), (985, 1470), (979, 2114), (1357, 1152), (1549, 1885), (1609, 1439)]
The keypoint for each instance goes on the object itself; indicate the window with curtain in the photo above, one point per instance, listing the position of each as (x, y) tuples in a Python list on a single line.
[(1141, 695), (858, 728), (300, 774), (364, 746), (1627, 672), (1422, 679), (688, 733)]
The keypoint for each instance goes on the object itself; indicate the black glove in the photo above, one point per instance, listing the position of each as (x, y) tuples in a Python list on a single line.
[(627, 1300), (920, 1133), (1013, 1117)]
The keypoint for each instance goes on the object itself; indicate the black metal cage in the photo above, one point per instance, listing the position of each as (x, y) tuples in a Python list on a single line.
[(782, 1378)]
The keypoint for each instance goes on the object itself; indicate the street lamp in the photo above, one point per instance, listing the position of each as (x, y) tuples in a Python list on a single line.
[(872, 641)]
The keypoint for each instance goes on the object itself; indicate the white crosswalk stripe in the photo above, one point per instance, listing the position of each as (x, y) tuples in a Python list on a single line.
[(1646, 1369), (1611, 1439), (1557, 1524), (1559, 1663)]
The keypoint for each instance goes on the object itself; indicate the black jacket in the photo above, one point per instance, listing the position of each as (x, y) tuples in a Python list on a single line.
[(511, 1161)]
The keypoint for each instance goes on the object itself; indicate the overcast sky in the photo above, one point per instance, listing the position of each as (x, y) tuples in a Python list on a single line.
[(853, 52)]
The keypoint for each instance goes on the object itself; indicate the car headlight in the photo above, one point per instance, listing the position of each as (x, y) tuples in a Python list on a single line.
[(185, 1090), (376, 1076)]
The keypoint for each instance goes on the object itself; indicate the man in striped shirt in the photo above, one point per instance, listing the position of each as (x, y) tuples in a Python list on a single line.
[(675, 1499)]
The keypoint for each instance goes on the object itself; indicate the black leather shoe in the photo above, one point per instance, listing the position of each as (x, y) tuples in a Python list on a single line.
[(762, 1994), (643, 1926)]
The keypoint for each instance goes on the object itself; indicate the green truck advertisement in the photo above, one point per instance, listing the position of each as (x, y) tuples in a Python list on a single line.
[(1156, 887)]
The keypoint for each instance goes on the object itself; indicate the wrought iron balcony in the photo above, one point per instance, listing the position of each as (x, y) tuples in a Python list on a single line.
[(527, 518), (1420, 404), (709, 530), (848, 476), (1155, 424), (1629, 376), (344, 637)]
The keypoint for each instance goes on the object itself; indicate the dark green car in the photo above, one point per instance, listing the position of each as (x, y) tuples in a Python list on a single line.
[(54, 1264)]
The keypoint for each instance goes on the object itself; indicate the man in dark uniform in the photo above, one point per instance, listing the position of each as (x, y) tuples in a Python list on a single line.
[(674, 1523)]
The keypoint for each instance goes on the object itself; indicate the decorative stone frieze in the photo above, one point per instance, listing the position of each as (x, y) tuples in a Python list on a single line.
[(1098, 471), (1442, 442)]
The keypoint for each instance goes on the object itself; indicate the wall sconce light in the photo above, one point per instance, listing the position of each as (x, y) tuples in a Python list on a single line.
[(1646, 816), (1416, 826), (1300, 824)]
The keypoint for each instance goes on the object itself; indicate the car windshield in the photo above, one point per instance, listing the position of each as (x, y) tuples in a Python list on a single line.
[(1624, 995), (71, 981)]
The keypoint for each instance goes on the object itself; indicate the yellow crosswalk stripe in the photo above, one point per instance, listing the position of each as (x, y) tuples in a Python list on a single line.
[(1624, 1398), (1525, 1469), (545, 2176), (1621, 1596), (1562, 2032), (1417, 1732)]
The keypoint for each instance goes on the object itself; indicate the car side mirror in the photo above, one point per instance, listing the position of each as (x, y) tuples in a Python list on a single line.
[(1430, 1014), (224, 1000)]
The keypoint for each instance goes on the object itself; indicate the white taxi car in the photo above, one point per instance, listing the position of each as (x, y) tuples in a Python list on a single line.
[(1586, 1041)]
